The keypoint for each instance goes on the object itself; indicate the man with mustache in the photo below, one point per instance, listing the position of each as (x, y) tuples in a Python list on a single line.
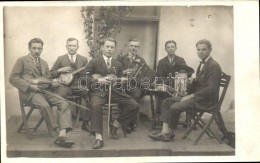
[(70, 62), (30, 67)]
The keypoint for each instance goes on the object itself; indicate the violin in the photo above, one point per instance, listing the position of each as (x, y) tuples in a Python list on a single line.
[(110, 78)]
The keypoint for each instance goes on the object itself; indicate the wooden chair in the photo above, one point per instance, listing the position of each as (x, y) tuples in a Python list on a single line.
[(77, 100), (24, 126), (215, 115), (113, 111)]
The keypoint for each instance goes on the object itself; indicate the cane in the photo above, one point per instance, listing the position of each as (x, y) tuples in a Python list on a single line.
[(109, 103)]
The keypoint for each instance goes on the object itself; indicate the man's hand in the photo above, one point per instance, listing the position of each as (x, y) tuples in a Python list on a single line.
[(34, 88), (65, 70), (55, 83), (129, 70), (187, 97), (124, 79), (103, 81)]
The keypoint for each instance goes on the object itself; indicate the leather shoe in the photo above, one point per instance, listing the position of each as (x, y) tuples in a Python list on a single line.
[(113, 131), (63, 142), (98, 144), (85, 126), (162, 137)]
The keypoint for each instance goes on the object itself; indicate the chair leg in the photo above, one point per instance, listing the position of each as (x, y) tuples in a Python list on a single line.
[(207, 128), (78, 112), (25, 122), (38, 124), (202, 124)]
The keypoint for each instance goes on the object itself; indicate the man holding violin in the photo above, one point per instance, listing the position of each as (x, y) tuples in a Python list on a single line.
[(64, 69), (131, 62), (101, 71), (30, 68)]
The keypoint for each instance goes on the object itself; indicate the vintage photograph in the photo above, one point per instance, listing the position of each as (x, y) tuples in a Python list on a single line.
[(95, 81)]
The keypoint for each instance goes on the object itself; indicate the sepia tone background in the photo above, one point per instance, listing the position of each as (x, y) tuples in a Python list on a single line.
[(153, 26)]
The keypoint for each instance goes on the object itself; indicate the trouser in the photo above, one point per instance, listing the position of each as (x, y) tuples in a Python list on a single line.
[(128, 106), (45, 102), (172, 108), (65, 91)]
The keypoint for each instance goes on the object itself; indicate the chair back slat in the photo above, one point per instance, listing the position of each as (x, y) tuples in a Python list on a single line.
[(224, 82)]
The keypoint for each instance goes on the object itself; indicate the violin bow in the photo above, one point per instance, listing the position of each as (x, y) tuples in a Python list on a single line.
[(55, 95)]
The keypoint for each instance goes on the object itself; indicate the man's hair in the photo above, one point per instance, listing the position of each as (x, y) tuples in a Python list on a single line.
[(35, 40), (170, 41), (204, 41), (134, 40), (108, 39), (72, 39)]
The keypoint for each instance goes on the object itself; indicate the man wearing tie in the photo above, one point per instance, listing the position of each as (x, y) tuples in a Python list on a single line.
[(30, 67), (70, 62), (205, 94), (105, 65)]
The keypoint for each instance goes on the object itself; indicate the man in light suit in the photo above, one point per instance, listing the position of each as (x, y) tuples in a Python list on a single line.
[(205, 95), (70, 62), (105, 65), (30, 67)]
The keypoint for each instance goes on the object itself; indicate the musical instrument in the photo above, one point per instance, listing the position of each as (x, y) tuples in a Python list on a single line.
[(68, 76), (44, 83), (144, 75)]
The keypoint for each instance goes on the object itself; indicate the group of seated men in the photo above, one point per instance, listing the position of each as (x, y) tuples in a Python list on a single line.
[(98, 70)]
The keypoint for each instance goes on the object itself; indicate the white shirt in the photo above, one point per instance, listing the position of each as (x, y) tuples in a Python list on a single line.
[(106, 58), (202, 64), (74, 56)]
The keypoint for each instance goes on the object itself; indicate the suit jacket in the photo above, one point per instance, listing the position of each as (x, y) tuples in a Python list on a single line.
[(24, 70), (207, 85), (125, 61), (98, 66), (64, 61), (165, 67)]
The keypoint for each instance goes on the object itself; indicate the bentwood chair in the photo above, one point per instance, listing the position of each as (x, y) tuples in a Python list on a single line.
[(215, 115)]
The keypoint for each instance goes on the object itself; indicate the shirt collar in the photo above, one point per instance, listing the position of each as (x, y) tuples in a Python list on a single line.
[(37, 58), (105, 58), (133, 56), (73, 55), (170, 58), (206, 59)]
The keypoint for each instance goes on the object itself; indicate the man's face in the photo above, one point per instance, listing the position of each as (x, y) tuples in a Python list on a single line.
[(108, 48), (72, 47), (170, 48), (134, 47), (36, 49), (203, 51)]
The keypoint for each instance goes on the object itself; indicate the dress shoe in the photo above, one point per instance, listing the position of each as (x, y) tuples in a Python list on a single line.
[(113, 131), (85, 126), (162, 137), (63, 142), (98, 144)]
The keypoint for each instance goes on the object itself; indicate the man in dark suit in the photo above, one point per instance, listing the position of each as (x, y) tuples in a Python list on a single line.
[(26, 70), (71, 62), (166, 66), (105, 65), (205, 95), (130, 63)]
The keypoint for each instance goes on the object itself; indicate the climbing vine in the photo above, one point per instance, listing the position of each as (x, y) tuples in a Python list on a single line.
[(110, 20)]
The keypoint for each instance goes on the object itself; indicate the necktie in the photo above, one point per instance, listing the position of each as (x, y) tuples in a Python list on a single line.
[(38, 65), (71, 59), (198, 70), (108, 63)]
